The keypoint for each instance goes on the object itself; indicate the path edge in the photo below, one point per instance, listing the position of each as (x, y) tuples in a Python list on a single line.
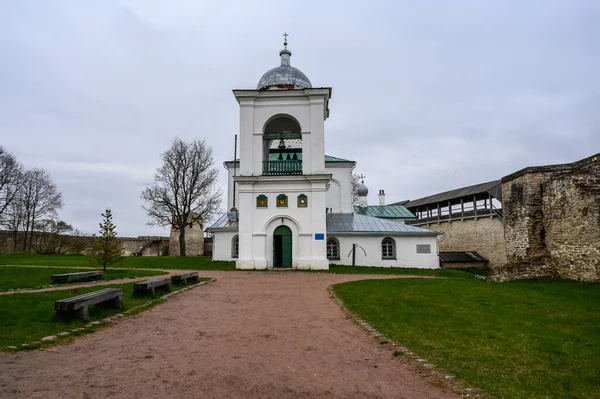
[(434, 375), (93, 326)]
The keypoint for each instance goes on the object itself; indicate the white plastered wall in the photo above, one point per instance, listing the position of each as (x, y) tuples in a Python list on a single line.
[(307, 107), (222, 245), (258, 224), (406, 251), (339, 194)]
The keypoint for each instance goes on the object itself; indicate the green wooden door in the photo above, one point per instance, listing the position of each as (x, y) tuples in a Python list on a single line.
[(282, 247), (286, 251)]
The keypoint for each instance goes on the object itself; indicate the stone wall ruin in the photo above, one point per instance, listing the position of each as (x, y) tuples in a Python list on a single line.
[(194, 240), (552, 222)]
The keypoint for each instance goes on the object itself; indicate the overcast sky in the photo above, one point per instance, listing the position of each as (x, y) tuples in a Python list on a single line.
[(427, 95)]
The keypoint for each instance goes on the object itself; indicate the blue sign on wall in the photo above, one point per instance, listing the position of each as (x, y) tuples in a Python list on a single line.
[(319, 236)]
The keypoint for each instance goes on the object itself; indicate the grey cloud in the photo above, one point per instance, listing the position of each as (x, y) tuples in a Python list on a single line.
[(427, 96)]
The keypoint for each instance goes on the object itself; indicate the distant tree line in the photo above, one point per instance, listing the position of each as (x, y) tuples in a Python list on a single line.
[(29, 204)]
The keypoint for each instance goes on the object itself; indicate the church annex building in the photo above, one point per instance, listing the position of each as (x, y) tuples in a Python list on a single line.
[(291, 206)]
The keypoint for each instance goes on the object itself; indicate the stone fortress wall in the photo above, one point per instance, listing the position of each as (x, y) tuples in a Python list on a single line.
[(485, 235), (145, 245), (142, 245), (548, 227), (194, 241), (552, 222)]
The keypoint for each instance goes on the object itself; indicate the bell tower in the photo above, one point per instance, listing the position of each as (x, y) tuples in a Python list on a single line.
[(282, 180)]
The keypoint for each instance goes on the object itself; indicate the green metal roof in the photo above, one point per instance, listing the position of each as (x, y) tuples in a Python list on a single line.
[(329, 158), (385, 211), (352, 223)]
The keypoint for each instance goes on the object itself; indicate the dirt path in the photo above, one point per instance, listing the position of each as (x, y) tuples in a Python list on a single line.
[(247, 335)]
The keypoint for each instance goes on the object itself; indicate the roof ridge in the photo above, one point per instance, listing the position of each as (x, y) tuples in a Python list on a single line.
[(457, 193)]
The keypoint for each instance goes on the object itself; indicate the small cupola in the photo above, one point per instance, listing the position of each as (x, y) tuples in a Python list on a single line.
[(285, 76), (362, 191)]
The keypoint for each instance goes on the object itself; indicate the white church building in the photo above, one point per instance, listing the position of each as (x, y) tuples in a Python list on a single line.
[(291, 206)]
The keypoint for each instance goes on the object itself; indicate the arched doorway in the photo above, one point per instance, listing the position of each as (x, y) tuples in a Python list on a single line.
[(282, 247)]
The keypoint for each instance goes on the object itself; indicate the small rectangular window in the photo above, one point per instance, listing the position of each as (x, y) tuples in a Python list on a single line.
[(302, 201), (423, 248), (282, 201), (262, 201)]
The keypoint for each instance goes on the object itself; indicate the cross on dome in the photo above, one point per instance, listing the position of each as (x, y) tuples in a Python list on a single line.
[(284, 76)]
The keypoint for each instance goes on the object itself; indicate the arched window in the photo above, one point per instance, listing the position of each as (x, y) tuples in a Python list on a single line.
[(333, 249), (388, 248), (235, 246)]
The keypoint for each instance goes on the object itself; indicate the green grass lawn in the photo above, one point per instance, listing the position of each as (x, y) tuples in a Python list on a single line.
[(136, 262), (525, 339), (452, 273), (13, 277), (25, 318), (205, 263)]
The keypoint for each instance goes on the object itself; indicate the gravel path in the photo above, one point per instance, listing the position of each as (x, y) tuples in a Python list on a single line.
[(247, 335)]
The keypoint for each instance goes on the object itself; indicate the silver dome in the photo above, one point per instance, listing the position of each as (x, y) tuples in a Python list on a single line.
[(362, 190), (285, 74)]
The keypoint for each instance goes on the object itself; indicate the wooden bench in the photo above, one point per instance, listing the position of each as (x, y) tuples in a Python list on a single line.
[(150, 285), (79, 304), (184, 277), (65, 277)]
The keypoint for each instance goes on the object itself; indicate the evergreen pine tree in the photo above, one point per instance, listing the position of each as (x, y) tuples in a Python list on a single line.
[(107, 248)]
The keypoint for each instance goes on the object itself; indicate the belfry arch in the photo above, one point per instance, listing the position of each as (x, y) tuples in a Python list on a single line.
[(282, 145), (282, 123)]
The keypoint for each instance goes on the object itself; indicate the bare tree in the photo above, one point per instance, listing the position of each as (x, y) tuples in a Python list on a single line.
[(78, 242), (185, 188), (355, 182), (14, 219), (40, 200), (52, 237), (10, 181)]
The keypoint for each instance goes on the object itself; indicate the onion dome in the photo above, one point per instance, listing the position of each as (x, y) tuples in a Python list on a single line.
[(284, 76), (362, 190)]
